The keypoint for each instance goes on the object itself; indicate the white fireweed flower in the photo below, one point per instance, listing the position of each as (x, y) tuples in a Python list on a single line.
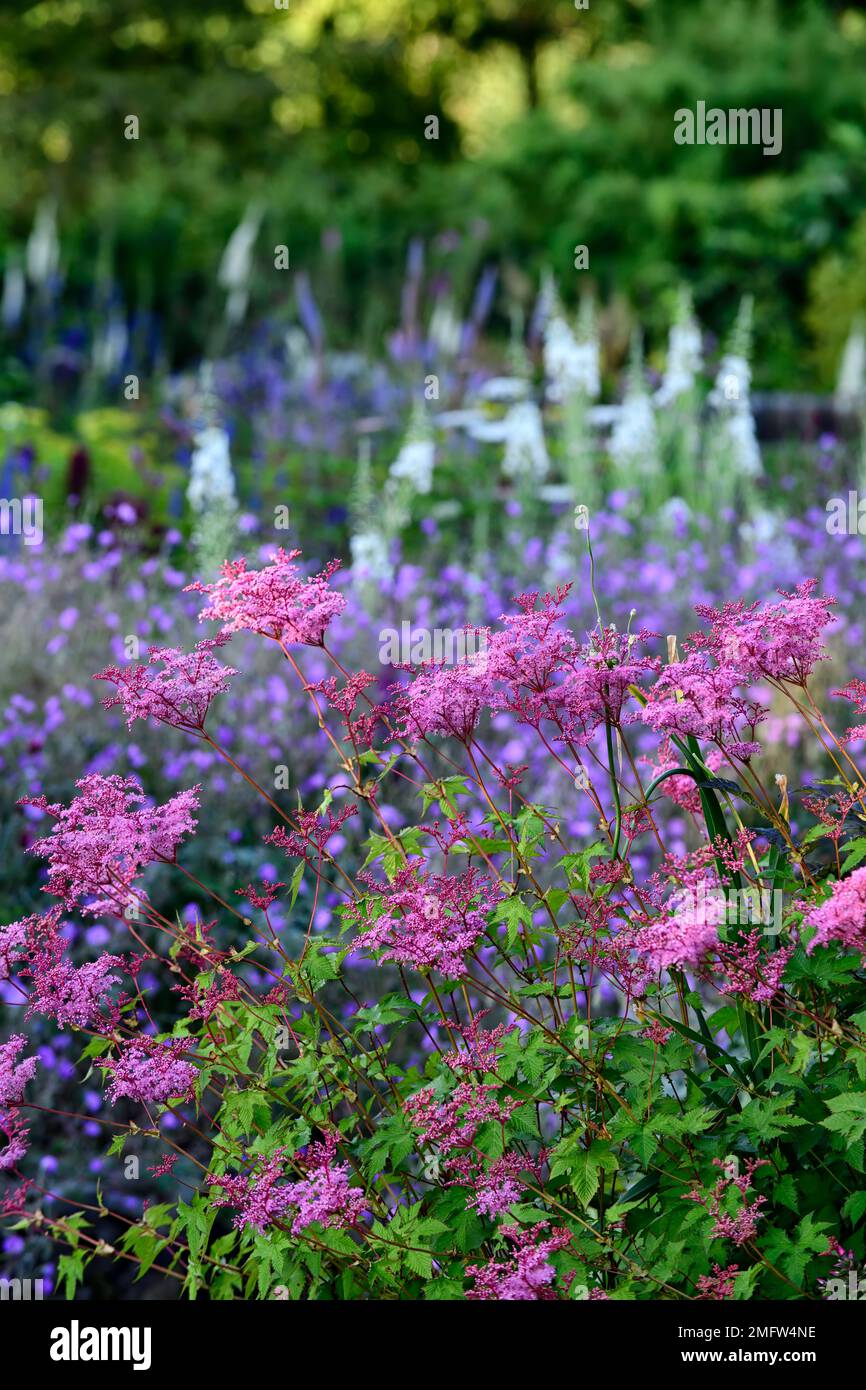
[(211, 478), (744, 441), (236, 264), (370, 557), (43, 246), (299, 356), (416, 458), (446, 330), (731, 398), (733, 382), (683, 362), (525, 448), (14, 296), (415, 462), (111, 344), (634, 441), (572, 367), (503, 388)]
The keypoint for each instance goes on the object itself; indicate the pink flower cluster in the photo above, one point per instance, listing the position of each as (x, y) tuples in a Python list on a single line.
[(430, 921), (446, 699), (740, 1226), (683, 791), (842, 917), (14, 1075), (482, 1046), (264, 1197), (685, 935), (151, 1072), (855, 691), (527, 1275), (76, 996), (719, 1284), (324, 1195), (600, 684), (12, 1152), (180, 694), (311, 833), (452, 1124), (276, 601), (496, 1186), (751, 972), (782, 641), (693, 697), (106, 836), (79, 996), (20, 939)]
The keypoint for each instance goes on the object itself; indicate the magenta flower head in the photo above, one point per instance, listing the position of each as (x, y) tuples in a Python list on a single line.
[(687, 932), (842, 917), (528, 1275), (79, 996), (19, 941), (265, 1196), (151, 1072), (599, 685), (100, 842), (530, 651), (14, 1076), (428, 921), (180, 694), (12, 1152), (693, 697), (782, 641), (446, 699), (276, 602), (855, 691)]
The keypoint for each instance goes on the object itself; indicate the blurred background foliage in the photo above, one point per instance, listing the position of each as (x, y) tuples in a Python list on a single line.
[(556, 129)]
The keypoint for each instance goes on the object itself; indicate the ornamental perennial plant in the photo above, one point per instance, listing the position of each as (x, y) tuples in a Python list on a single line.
[(513, 1065)]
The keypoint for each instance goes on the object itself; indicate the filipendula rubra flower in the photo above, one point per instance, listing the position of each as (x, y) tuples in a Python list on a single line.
[(14, 1075), (842, 917), (855, 691), (151, 1072), (276, 601), (686, 933), (694, 697), (740, 1225), (780, 640), (445, 699), (15, 1147), (76, 996), (179, 694), (543, 674), (103, 839), (265, 1196), (428, 921), (527, 1275), (20, 940)]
